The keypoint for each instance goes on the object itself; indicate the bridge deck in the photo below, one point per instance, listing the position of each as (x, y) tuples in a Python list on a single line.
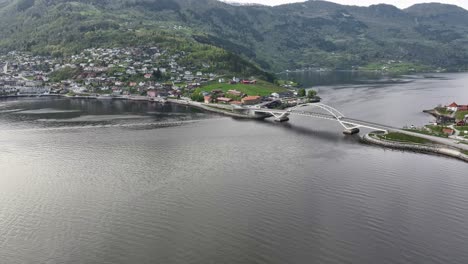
[(365, 124)]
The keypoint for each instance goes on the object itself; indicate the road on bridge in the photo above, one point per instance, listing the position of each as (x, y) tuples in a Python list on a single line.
[(368, 125)]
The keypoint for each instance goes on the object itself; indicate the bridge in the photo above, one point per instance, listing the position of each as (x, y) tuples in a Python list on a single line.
[(326, 112), (351, 125)]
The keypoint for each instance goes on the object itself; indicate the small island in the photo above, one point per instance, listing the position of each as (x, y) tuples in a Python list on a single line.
[(447, 136)]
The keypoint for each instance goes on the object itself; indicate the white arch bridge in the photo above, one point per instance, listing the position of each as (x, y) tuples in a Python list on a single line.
[(326, 112)]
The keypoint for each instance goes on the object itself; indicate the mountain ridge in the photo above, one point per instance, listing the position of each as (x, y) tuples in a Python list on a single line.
[(299, 35)]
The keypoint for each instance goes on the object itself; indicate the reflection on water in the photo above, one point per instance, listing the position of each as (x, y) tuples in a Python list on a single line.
[(319, 78), (108, 182), (313, 78)]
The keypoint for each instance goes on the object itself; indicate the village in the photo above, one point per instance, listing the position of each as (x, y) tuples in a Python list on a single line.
[(142, 73), (451, 121)]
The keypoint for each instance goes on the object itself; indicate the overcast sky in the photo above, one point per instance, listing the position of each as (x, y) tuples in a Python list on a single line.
[(398, 3)]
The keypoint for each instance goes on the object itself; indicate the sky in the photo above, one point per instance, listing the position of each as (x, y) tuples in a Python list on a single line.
[(398, 3)]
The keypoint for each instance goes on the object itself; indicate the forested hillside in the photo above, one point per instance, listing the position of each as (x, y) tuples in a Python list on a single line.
[(310, 34)]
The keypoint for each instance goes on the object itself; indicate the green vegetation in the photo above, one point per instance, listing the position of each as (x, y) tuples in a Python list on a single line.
[(311, 93), (197, 97), (437, 130), (399, 137), (301, 92), (460, 115), (310, 34), (431, 130), (63, 74), (261, 88), (443, 111)]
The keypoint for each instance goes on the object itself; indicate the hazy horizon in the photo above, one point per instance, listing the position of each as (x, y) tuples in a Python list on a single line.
[(397, 3)]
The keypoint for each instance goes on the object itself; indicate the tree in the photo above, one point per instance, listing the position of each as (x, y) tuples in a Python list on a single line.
[(301, 92), (157, 75), (311, 93), (197, 97)]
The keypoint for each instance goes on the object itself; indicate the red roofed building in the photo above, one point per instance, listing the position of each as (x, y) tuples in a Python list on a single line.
[(456, 107), (248, 82), (448, 131), (463, 108), (251, 100), (223, 100), (152, 93), (452, 107)]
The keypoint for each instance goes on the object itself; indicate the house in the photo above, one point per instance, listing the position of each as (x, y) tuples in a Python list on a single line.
[(223, 100), (448, 131), (234, 92), (152, 93), (463, 108), (207, 99), (148, 75), (452, 107), (234, 80), (251, 100), (287, 94), (249, 82)]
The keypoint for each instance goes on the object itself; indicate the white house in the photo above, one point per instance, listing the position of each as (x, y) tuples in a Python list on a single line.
[(452, 107)]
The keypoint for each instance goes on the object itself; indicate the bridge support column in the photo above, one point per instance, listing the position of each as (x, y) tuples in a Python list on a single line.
[(282, 118), (351, 131)]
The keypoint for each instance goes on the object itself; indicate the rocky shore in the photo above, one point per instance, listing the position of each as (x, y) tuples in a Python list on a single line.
[(422, 148)]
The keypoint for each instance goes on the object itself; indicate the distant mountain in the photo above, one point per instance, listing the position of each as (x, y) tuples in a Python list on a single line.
[(309, 34), (234, 3)]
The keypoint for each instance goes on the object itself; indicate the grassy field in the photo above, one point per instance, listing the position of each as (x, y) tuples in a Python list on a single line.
[(399, 137), (262, 88), (443, 111), (461, 114), (434, 131), (438, 130)]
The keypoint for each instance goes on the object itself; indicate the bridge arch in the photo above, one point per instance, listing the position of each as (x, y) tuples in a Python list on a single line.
[(332, 114), (336, 114)]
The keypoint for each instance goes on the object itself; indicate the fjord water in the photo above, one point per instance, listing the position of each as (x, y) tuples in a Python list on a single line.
[(126, 182)]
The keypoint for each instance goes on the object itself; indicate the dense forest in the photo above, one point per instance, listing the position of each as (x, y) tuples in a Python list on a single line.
[(310, 34)]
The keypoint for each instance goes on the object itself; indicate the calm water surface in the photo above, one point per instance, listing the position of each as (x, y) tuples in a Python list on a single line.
[(123, 182)]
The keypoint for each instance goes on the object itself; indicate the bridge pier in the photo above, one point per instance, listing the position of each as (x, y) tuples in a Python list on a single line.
[(282, 119), (351, 131)]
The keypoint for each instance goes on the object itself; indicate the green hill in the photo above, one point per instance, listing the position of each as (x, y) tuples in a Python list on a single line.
[(309, 34)]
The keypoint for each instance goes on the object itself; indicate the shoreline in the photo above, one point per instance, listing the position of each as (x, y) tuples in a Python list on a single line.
[(214, 108), (422, 148), (367, 138)]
